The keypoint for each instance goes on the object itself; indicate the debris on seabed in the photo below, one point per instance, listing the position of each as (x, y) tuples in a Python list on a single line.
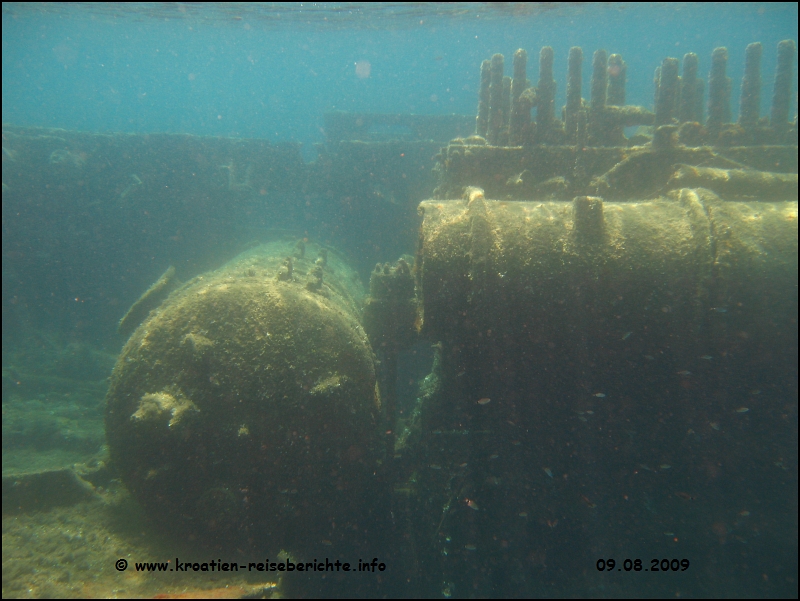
[(251, 591)]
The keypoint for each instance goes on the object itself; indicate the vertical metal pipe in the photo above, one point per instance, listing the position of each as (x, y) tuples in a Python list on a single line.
[(782, 92), (656, 80), (503, 137), (573, 91), (496, 99), (599, 80), (617, 75), (482, 122), (520, 115), (546, 93), (667, 91), (596, 126), (719, 90), (750, 102), (688, 100)]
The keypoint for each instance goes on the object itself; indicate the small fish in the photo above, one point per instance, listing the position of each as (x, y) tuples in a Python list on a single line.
[(590, 413), (649, 357), (599, 395), (707, 357), (552, 523), (516, 443), (714, 425), (583, 419), (685, 496), (684, 372), (470, 547), (744, 513), (665, 466), (494, 456), (547, 471), (742, 410), (719, 309), (669, 534), (523, 514), (626, 335), (472, 505), (484, 401), (588, 502), (516, 180), (756, 391), (435, 466)]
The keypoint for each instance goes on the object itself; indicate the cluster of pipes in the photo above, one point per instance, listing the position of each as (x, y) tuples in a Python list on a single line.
[(505, 102)]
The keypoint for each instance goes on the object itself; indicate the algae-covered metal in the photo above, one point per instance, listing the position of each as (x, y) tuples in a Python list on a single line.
[(246, 405), (555, 268)]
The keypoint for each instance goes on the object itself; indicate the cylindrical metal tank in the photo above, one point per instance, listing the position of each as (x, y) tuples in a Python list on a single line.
[(689, 271), (245, 408), (596, 365)]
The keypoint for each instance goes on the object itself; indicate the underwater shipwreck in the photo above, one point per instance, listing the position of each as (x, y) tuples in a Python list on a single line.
[(591, 308)]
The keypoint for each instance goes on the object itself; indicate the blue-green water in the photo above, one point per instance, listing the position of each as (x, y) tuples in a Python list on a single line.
[(90, 221)]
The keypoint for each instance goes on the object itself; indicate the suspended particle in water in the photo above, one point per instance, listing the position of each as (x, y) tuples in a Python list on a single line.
[(363, 69)]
